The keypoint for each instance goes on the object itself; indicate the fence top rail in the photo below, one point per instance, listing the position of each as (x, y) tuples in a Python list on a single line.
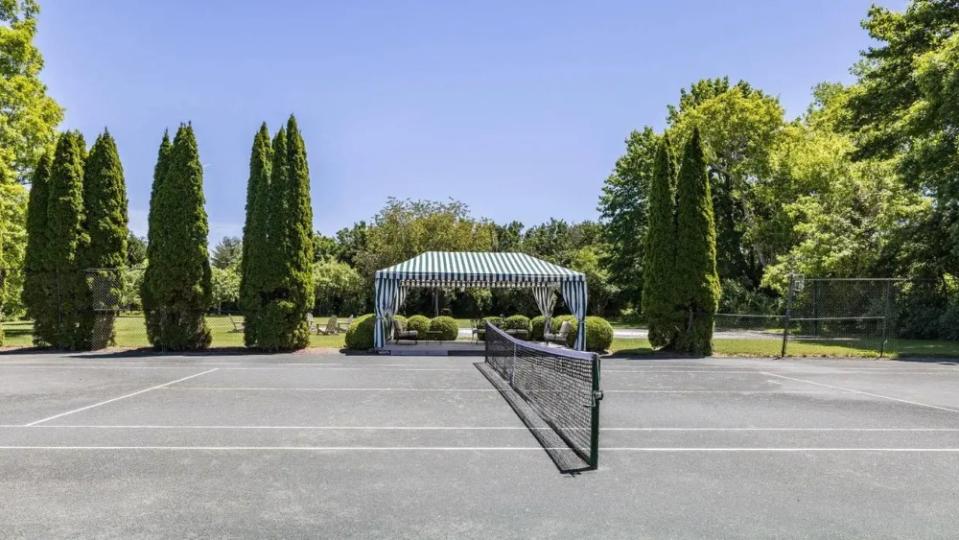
[(749, 315), (868, 279)]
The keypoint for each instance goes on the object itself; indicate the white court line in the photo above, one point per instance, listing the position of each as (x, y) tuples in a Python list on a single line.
[(138, 392), (947, 371), (478, 449), (322, 389), (484, 428), (864, 393), (736, 392)]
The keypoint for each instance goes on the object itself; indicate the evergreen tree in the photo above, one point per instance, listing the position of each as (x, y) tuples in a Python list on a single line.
[(180, 287), (255, 243), (697, 282), (659, 268), (66, 237), (288, 295), (150, 311), (37, 292), (104, 257)]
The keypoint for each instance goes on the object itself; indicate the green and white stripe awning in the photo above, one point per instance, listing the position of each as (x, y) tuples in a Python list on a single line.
[(477, 269)]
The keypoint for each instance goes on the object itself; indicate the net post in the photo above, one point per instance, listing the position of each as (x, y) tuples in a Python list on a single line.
[(597, 396)]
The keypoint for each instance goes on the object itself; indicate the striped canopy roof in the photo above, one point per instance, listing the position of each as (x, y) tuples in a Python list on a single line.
[(465, 268)]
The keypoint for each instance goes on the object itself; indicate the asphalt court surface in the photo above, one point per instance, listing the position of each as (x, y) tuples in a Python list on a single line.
[(330, 445)]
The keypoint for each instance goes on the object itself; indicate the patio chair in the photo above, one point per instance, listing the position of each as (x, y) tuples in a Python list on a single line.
[(331, 327), (560, 336), (312, 324), (400, 332), (237, 325), (344, 326)]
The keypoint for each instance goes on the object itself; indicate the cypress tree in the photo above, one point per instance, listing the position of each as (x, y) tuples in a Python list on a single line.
[(697, 283), (253, 263), (66, 237), (181, 289), (660, 253), (37, 280), (150, 312), (103, 258), (288, 293)]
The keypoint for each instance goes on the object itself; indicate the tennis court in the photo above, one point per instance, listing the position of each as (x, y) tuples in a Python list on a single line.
[(361, 446)]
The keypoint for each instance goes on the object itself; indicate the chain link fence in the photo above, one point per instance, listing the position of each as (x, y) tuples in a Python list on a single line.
[(862, 313), (106, 294)]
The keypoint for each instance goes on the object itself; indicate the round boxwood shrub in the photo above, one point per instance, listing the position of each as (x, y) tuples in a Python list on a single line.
[(495, 321), (516, 322), (599, 334), (359, 336), (420, 323), (556, 322), (537, 324), (447, 327)]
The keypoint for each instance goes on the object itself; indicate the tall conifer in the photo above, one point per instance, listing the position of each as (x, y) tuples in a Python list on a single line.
[(37, 280), (150, 277), (697, 282), (255, 242), (181, 287), (66, 237), (288, 288), (659, 268), (103, 258)]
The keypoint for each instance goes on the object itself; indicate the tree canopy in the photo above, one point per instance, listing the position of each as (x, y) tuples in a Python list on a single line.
[(28, 116)]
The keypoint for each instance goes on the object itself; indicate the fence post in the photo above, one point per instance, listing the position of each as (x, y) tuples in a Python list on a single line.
[(885, 319), (789, 302)]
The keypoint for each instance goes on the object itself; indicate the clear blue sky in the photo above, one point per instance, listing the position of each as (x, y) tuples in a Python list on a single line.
[(518, 109)]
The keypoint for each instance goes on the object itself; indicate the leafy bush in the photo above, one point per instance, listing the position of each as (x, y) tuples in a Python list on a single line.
[(556, 322), (949, 321), (338, 288), (495, 321), (537, 325), (446, 326), (420, 323), (599, 333), (360, 334), (516, 322)]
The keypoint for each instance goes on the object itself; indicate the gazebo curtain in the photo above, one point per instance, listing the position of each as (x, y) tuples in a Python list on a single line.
[(574, 293), (545, 301), (388, 296)]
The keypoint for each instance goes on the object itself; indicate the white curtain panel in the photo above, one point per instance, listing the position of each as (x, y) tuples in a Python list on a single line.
[(574, 293)]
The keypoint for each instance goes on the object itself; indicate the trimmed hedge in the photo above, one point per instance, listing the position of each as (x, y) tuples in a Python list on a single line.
[(599, 333), (537, 325), (516, 322), (447, 326), (495, 321), (420, 323), (359, 336), (558, 321)]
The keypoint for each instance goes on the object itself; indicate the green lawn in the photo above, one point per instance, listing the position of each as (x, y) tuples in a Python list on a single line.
[(132, 334), (864, 348)]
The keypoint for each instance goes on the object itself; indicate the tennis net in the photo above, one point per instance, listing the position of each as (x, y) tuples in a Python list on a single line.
[(560, 385)]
